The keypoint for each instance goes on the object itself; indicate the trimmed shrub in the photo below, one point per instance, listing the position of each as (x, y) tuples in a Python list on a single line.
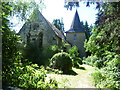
[(61, 61)]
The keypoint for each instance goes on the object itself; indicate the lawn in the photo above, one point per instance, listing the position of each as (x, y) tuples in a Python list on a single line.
[(82, 79)]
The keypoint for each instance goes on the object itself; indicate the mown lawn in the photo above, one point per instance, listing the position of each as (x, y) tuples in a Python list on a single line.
[(82, 79)]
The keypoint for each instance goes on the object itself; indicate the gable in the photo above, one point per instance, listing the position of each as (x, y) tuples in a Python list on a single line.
[(37, 21)]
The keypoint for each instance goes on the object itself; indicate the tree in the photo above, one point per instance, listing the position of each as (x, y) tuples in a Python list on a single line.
[(69, 5), (104, 44), (22, 9), (87, 29), (10, 53), (11, 57), (59, 24), (105, 34)]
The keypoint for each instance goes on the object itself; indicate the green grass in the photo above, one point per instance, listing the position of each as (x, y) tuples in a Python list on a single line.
[(81, 80)]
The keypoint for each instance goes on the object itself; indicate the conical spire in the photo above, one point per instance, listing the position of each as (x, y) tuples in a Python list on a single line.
[(76, 25), (76, 22)]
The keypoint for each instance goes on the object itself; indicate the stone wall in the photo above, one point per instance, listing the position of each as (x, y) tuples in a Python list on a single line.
[(77, 39), (35, 26)]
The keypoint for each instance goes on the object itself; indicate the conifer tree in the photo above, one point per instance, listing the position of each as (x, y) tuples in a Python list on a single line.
[(59, 24), (87, 29)]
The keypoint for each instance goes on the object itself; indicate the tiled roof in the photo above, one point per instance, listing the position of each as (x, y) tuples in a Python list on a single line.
[(76, 25), (57, 31)]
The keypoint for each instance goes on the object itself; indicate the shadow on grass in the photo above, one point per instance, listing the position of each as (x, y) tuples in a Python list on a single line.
[(79, 67), (70, 72)]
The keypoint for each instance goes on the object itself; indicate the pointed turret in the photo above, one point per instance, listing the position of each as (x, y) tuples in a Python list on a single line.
[(76, 25), (76, 35)]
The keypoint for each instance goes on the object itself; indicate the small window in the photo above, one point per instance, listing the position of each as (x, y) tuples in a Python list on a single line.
[(35, 26), (54, 38), (75, 36)]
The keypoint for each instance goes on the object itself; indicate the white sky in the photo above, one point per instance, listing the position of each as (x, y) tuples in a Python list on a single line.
[(55, 10)]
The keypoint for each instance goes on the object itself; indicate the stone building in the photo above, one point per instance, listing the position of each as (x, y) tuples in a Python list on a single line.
[(38, 29), (76, 35)]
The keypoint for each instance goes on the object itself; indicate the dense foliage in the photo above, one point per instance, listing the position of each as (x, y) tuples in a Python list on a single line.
[(16, 71), (33, 76), (73, 52), (71, 4), (10, 54), (108, 76), (76, 60), (40, 57), (104, 45), (61, 61), (93, 60), (22, 8)]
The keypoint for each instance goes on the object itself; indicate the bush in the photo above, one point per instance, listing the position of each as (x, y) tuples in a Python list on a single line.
[(35, 77), (94, 61), (61, 61), (109, 76), (98, 78), (31, 76), (33, 54), (49, 52), (39, 56), (77, 61), (75, 56), (65, 46), (73, 52)]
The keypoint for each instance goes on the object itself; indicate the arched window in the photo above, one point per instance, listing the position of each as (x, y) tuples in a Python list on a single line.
[(75, 36), (40, 39)]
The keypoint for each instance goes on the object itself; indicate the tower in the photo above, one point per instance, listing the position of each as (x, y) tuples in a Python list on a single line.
[(76, 34)]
